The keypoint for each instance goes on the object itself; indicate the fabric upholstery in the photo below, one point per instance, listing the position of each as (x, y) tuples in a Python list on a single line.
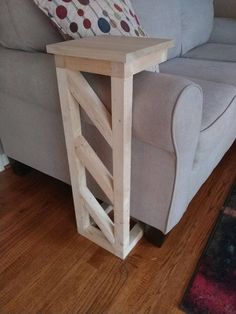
[(220, 72), (163, 169), (218, 129), (152, 92), (209, 158), (225, 8), (197, 22), (151, 95), (213, 143), (217, 98), (217, 80), (33, 79), (222, 130), (165, 125), (157, 18), (152, 167), (39, 86), (24, 27), (224, 31), (214, 52), (33, 135), (80, 19)]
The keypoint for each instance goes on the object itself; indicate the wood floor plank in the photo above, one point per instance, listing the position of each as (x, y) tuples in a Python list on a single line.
[(24, 229), (56, 270), (48, 268), (71, 290), (79, 293), (28, 266)]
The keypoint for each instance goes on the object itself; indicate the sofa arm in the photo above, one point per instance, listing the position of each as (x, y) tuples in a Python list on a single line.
[(224, 31), (167, 111), (167, 115), (164, 107)]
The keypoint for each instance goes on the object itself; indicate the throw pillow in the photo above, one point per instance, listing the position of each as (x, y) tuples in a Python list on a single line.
[(83, 18)]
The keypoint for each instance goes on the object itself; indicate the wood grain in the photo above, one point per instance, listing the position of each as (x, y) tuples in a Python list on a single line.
[(46, 267), (122, 101), (115, 56), (72, 129), (96, 211), (110, 48), (89, 101), (94, 165)]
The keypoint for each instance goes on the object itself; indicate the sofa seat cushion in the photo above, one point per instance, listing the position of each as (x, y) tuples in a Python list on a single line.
[(216, 71), (213, 51)]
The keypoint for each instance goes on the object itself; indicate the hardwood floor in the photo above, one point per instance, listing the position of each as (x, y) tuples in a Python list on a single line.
[(46, 267)]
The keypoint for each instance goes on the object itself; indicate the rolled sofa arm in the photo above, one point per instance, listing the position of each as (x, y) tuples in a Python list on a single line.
[(167, 109), (158, 100), (171, 118), (167, 115), (224, 31)]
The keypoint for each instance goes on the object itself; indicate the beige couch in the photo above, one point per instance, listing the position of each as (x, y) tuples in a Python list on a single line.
[(183, 118)]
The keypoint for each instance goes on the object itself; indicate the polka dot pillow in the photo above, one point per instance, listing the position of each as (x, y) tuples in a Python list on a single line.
[(83, 18)]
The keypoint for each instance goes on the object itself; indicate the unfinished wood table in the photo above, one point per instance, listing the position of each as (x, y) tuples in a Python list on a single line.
[(120, 58)]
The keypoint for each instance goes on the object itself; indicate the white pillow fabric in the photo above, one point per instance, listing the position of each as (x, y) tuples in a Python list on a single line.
[(83, 18)]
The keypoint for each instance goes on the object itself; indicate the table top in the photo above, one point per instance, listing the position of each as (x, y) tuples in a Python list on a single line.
[(110, 48)]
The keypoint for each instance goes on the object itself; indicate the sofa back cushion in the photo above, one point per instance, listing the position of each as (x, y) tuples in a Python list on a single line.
[(24, 27), (161, 18), (197, 22)]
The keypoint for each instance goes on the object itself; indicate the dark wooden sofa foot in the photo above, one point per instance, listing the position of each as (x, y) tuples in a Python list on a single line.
[(154, 235), (18, 168)]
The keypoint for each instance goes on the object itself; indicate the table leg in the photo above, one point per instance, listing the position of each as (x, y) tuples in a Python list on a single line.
[(72, 128), (122, 100)]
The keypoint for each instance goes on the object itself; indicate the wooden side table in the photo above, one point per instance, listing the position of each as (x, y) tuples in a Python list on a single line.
[(120, 58)]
